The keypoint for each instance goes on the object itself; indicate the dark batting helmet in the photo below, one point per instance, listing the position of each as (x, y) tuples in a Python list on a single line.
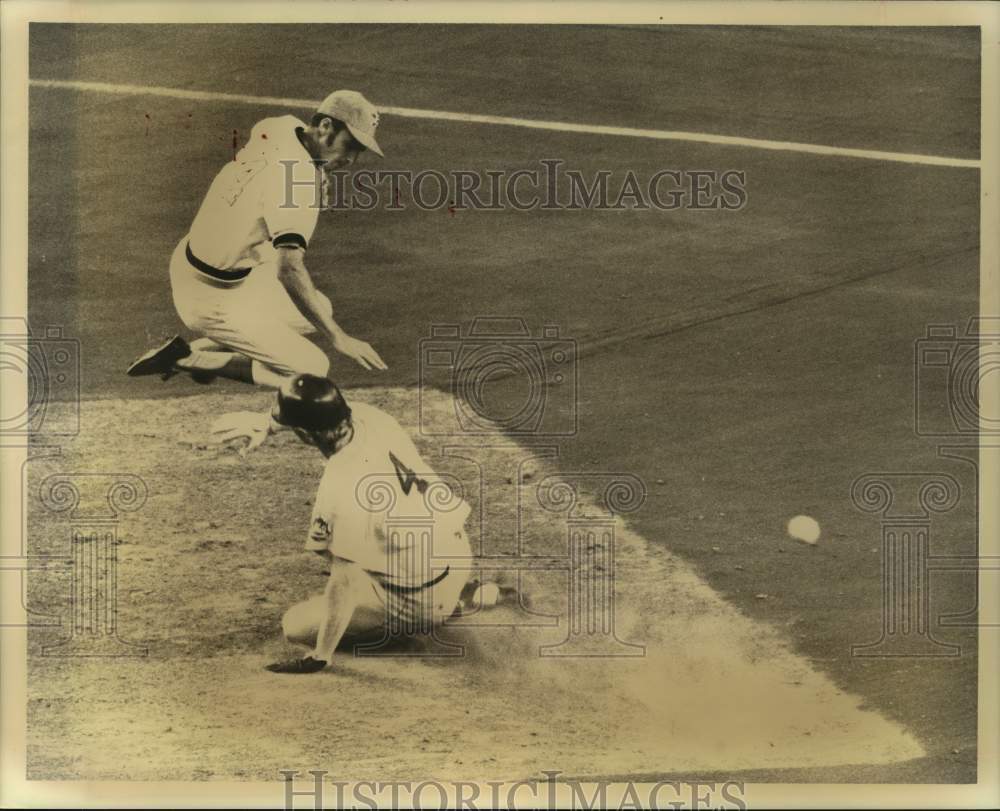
[(312, 403)]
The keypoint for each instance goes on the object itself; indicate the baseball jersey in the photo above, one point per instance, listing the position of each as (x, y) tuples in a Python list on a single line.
[(253, 205), (371, 506)]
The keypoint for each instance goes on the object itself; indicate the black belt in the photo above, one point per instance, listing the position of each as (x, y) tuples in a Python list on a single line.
[(233, 275), (409, 589)]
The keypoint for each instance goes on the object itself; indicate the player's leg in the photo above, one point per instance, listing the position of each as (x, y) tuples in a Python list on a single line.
[(252, 348), (300, 623), (200, 306), (205, 308), (273, 350), (206, 344), (446, 596), (464, 591), (410, 612), (265, 328), (204, 359), (251, 332)]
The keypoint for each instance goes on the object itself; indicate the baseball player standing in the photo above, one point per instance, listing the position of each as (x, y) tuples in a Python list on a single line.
[(239, 278), (381, 577)]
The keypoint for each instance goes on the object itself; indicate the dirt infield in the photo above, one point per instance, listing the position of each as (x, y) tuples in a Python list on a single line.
[(211, 558)]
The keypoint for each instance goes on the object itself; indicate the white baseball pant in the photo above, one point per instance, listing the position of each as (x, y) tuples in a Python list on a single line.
[(254, 316)]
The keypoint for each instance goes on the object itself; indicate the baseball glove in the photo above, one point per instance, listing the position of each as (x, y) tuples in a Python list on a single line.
[(305, 665), (249, 427)]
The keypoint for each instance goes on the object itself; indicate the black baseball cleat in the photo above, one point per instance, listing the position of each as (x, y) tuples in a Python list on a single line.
[(304, 665), (465, 599), (512, 596), (161, 360)]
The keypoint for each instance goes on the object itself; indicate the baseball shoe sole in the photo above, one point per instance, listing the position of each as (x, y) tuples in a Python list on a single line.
[(161, 360)]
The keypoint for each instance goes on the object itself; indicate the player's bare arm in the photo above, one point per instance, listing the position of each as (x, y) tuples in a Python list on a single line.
[(340, 599), (295, 278)]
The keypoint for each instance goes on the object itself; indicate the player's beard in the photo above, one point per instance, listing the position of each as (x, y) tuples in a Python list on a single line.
[(329, 204)]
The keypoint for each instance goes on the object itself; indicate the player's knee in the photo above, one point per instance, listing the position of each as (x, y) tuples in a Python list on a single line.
[(275, 373), (289, 624), (316, 363), (309, 360), (299, 625)]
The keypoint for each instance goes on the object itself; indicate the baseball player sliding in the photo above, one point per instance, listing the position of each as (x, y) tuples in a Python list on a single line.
[(380, 577), (239, 278)]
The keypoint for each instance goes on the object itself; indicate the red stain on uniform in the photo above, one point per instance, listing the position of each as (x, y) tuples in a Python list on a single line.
[(263, 135), (148, 120), (451, 208)]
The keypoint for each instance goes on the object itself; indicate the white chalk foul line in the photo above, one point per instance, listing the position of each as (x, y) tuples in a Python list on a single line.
[(526, 123)]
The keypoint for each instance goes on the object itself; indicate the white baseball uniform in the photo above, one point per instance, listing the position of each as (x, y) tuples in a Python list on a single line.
[(380, 506), (224, 272)]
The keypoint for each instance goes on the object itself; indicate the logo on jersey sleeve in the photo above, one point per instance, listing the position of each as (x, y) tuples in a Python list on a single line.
[(320, 530)]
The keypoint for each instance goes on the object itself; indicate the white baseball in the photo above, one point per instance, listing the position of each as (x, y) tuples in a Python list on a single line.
[(488, 594), (804, 528)]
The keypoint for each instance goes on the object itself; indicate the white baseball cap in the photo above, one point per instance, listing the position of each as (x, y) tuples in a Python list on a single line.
[(359, 114)]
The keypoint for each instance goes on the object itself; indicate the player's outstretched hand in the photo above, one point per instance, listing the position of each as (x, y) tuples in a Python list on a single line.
[(249, 427), (305, 665), (361, 351)]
